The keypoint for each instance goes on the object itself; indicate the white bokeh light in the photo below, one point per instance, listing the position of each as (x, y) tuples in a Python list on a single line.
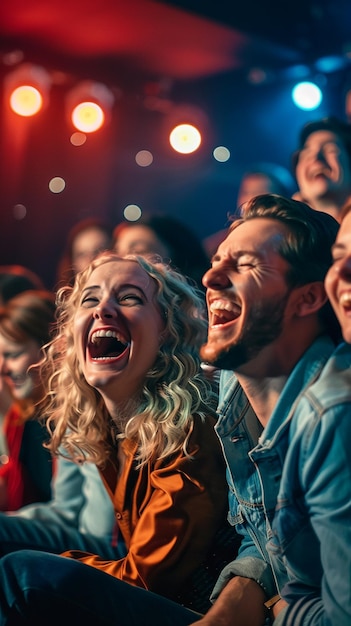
[(185, 138), (307, 96), (57, 184), (132, 212), (221, 154)]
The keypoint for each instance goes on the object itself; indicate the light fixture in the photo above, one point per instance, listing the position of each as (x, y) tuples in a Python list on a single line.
[(186, 126), (307, 96), (89, 106), (185, 138), (27, 89)]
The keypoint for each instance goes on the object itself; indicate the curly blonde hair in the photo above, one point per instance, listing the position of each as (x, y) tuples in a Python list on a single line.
[(174, 389)]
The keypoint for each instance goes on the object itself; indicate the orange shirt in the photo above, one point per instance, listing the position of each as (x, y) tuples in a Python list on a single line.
[(168, 513)]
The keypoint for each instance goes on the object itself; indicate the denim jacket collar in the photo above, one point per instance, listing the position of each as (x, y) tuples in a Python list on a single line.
[(233, 403)]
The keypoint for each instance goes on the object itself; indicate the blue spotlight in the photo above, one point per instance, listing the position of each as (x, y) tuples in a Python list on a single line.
[(307, 96)]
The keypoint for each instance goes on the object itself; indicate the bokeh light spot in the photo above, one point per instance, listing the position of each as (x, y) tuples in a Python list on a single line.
[(78, 139), (26, 100), (132, 212), (19, 211), (307, 96), (144, 158), (88, 117), (221, 154), (57, 184), (185, 138)]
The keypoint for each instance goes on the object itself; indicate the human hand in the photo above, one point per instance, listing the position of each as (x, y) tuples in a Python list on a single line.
[(241, 603)]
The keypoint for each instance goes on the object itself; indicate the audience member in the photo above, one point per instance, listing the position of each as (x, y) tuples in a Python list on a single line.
[(128, 396), (322, 165), (338, 279), (253, 183), (167, 237), (284, 485), (284, 430), (80, 514), (25, 473), (85, 241), (16, 278)]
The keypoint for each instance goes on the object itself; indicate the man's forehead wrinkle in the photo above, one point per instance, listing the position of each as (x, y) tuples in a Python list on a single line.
[(274, 241)]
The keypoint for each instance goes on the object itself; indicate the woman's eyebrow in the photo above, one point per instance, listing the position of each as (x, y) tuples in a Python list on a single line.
[(117, 289), (132, 286), (90, 288)]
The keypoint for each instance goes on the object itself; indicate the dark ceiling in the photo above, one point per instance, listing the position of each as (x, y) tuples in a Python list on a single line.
[(180, 40), (235, 61)]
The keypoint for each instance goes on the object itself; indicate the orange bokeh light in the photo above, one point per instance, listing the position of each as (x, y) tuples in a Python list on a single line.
[(26, 100)]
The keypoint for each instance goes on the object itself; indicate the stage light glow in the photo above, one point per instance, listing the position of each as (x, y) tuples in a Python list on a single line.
[(89, 105), (88, 117), (27, 88), (185, 138), (26, 100), (307, 96)]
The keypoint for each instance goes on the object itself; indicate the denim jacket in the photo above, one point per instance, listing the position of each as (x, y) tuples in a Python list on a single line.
[(290, 493)]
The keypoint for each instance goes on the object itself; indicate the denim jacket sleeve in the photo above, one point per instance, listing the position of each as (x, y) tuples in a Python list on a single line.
[(248, 567), (323, 458)]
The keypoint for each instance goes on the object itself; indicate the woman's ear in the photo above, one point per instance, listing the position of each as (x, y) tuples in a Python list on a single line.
[(310, 298)]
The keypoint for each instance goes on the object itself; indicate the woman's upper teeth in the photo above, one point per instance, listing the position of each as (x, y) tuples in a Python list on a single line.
[(105, 333)]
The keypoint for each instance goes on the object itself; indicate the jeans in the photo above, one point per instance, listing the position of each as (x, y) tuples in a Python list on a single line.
[(44, 589), (19, 533)]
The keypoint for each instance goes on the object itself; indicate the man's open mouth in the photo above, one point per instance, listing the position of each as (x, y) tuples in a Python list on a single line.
[(224, 312), (107, 344)]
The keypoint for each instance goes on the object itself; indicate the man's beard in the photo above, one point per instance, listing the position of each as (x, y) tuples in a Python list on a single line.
[(263, 326)]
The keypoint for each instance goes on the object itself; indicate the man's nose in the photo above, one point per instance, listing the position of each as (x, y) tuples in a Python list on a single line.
[(216, 278)]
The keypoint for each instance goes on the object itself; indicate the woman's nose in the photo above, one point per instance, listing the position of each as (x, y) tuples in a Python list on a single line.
[(105, 309)]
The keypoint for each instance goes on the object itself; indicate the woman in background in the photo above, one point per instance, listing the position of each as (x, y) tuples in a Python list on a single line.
[(15, 279), (26, 470), (85, 241), (167, 237)]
